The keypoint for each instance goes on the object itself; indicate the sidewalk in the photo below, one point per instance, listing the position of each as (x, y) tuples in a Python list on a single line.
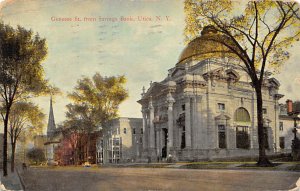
[(10, 182), (279, 166)]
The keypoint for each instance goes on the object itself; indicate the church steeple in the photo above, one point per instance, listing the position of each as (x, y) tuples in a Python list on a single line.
[(51, 122)]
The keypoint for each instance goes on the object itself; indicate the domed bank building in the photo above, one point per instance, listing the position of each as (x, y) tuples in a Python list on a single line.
[(206, 108)]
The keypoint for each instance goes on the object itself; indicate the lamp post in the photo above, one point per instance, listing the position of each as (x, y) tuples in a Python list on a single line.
[(292, 110), (296, 141), (112, 147)]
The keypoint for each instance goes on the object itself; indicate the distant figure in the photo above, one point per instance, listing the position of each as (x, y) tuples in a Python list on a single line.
[(24, 166)]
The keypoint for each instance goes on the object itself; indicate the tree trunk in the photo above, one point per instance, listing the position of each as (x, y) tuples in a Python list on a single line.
[(73, 162), (13, 151), (77, 153), (88, 147), (263, 159), (76, 157), (5, 144)]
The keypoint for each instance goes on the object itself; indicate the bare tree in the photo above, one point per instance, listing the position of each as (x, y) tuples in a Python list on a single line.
[(25, 116)]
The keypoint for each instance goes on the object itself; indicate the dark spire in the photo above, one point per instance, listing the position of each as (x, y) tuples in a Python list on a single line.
[(51, 122)]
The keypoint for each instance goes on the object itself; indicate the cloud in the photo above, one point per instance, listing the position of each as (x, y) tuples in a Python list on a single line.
[(289, 77), (119, 48)]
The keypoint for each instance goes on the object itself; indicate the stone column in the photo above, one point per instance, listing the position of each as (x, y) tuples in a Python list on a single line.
[(276, 127), (227, 131), (253, 135), (188, 140), (151, 118), (158, 149), (196, 122), (145, 133), (170, 102)]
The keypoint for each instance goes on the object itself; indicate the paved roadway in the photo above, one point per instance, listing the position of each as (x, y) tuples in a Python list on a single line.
[(94, 179)]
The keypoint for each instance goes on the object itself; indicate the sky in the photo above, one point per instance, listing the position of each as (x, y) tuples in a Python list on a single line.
[(142, 47)]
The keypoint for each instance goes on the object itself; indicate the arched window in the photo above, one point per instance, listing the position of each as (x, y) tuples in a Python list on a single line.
[(241, 115), (242, 129)]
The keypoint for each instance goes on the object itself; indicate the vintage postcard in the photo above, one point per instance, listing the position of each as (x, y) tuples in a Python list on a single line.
[(149, 95)]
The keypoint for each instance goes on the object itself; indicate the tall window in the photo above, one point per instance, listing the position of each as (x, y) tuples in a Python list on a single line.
[(134, 131), (242, 137), (125, 130), (222, 136), (281, 142), (142, 131), (183, 138), (280, 126), (116, 141), (181, 123), (266, 138), (221, 106), (183, 107)]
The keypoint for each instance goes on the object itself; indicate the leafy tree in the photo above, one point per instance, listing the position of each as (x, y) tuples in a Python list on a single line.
[(36, 155), (21, 71), (95, 101), (256, 32), (99, 96), (25, 116)]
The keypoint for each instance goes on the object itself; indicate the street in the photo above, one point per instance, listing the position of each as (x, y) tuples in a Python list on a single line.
[(95, 179)]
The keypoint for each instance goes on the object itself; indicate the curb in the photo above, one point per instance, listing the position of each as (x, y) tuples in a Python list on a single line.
[(21, 180), (297, 184)]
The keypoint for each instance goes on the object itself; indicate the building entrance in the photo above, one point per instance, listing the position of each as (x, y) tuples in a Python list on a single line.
[(165, 143)]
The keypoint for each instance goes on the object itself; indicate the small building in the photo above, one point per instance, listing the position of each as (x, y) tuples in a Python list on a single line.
[(286, 127), (87, 148), (77, 148), (121, 141)]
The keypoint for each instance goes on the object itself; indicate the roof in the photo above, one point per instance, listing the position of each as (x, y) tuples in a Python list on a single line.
[(51, 142), (222, 116), (288, 117), (204, 46), (51, 122), (156, 88)]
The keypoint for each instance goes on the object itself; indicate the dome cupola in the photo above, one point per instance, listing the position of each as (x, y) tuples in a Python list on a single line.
[(204, 46)]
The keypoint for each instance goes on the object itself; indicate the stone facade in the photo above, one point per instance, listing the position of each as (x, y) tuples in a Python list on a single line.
[(121, 141), (206, 108)]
